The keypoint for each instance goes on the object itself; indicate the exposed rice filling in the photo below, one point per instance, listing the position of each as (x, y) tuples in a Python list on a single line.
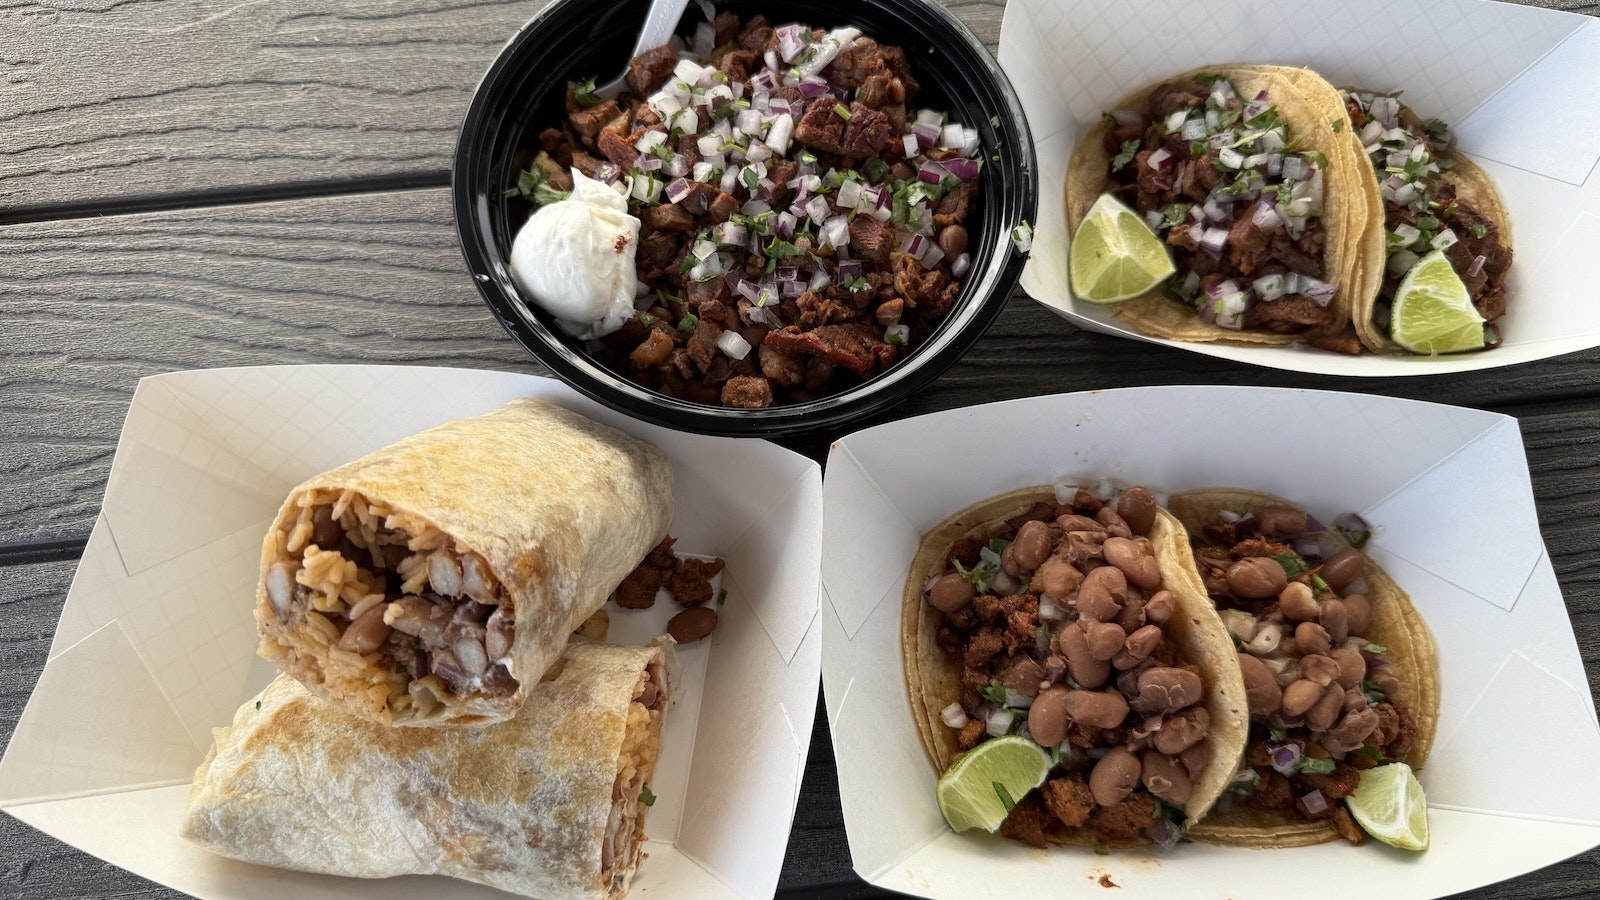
[(406, 615), (622, 849)]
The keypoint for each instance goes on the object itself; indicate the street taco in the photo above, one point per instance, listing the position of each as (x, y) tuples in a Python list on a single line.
[(1014, 621), (1339, 667), (1432, 198), (1239, 170)]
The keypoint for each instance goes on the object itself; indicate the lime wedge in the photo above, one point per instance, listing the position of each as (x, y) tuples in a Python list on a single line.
[(1390, 806), (982, 786), (1115, 255), (1432, 310)]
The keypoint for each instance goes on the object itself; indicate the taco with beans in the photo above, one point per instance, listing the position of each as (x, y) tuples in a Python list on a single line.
[(1432, 198), (1083, 625), (1239, 171), (1339, 668)]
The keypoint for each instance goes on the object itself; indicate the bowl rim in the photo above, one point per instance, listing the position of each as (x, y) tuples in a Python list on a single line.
[(959, 331)]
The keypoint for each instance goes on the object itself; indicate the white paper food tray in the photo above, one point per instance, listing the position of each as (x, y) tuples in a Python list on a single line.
[(156, 643), (1515, 82), (1448, 494)]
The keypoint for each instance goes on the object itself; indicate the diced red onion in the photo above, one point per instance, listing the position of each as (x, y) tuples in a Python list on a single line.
[(1154, 218), (1175, 120), (998, 722), (749, 121), (1294, 168), (953, 715), (1274, 164), (1265, 215), (705, 40), (927, 135), (1159, 159), (793, 288), (763, 316), (607, 171), (768, 295), (648, 163), (1230, 158), (916, 245), (748, 290), (1213, 240), (784, 225), (812, 87), (850, 269), (964, 169), (1165, 834), (1315, 803), (1193, 130), (1285, 755), (1318, 291), (1269, 287), (733, 344), (931, 172), (819, 280), (771, 59), (910, 144), (1477, 266), (950, 137), (1217, 211), (780, 133), (790, 42), (649, 139), (1405, 193), (817, 208), (677, 190)]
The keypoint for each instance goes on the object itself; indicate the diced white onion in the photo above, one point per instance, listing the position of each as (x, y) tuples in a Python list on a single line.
[(954, 716), (733, 344)]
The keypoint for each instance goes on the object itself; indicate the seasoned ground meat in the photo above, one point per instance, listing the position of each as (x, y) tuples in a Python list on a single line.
[(818, 220), (1126, 820), (1069, 800), (1027, 822)]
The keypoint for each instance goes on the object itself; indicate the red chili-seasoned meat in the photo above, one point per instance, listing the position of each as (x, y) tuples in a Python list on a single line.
[(1128, 819), (588, 122), (649, 70), (690, 582), (854, 346), (1068, 799), (1027, 821)]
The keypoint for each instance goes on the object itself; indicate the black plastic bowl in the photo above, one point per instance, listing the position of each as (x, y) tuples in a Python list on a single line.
[(523, 93)]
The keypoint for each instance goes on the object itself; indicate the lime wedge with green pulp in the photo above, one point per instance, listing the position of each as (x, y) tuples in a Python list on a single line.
[(1115, 255), (981, 787), (1389, 805), (1433, 312)]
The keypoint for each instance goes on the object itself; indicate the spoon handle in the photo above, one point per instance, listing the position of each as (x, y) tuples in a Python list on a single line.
[(659, 24)]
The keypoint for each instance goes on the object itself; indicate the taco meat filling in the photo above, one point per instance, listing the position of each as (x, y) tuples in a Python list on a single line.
[(803, 222), (1219, 179), (1323, 703), (1422, 211), (1056, 624)]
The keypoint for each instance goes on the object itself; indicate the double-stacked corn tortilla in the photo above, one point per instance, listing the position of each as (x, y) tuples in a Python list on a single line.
[(433, 581), (934, 680), (1409, 655), (546, 804)]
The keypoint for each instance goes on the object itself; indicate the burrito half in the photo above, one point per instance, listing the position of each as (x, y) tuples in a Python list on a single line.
[(547, 804), (433, 581)]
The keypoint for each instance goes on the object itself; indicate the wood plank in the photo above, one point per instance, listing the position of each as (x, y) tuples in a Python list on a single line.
[(117, 101), (92, 305)]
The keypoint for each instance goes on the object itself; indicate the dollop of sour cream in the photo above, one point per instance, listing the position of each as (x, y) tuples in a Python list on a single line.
[(575, 259)]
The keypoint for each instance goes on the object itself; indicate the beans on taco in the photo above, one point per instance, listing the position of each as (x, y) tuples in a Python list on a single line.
[(1081, 623)]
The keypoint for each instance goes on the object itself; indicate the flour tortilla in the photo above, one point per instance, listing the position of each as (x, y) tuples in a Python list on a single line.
[(934, 682), (1396, 625), (1310, 105), (559, 508)]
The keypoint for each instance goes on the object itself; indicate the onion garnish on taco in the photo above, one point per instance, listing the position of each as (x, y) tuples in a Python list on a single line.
[(1338, 666), (1080, 623), (1239, 171)]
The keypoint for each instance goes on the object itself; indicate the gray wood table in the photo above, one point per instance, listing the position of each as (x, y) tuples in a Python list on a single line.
[(200, 183)]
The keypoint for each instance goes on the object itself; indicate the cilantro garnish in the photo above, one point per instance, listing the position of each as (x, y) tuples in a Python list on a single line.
[(646, 319), (533, 185), (585, 94), (1277, 734), (1374, 694), (1102, 850), (1375, 648), (1168, 811), (748, 177), (1338, 125), (1209, 78), (994, 692), (874, 169), (1310, 765), (1479, 229), (646, 797), (722, 596), (1294, 565), (258, 705), (688, 322), (1130, 149)]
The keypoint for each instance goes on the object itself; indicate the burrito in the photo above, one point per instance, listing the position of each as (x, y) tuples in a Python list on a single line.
[(1432, 198), (1084, 626), (1339, 668), (549, 804), (433, 581), (1239, 171)]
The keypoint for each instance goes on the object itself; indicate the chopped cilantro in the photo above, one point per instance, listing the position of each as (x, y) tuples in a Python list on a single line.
[(1373, 753), (688, 323), (258, 705), (1375, 648), (1310, 765), (662, 152), (1479, 229), (1168, 811), (1102, 850), (646, 319), (1357, 537), (994, 692), (647, 798), (999, 544), (874, 169), (1277, 734), (748, 177), (1338, 125), (1317, 584), (1437, 130), (1374, 694), (1427, 223), (1004, 795), (1317, 157), (533, 185), (893, 339), (856, 284), (1130, 149), (585, 94), (1294, 565), (1445, 164), (722, 596), (777, 249), (978, 576), (1209, 78)]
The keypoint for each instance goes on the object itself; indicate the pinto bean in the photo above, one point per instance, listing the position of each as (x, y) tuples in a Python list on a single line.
[(1358, 613), (280, 586), (471, 656), (325, 530), (1166, 689), (1309, 637), (1102, 593), (1105, 639), (1281, 520), (1352, 666), (1024, 677), (952, 241), (444, 573), (1268, 635), (1256, 577), (1137, 560), (1323, 713), (366, 633), (1008, 561), (498, 634), (1260, 686), (1032, 546), (1300, 696), (1160, 606), (1073, 522), (692, 624), (1165, 777), (1182, 731), (1196, 758), (1138, 647), (1320, 669), (1114, 524), (1352, 731), (1102, 709), (1060, 579), (951, 592), (1336, 619), (1047, 717), (1353, 700), (1343, 567), (1131, 618), (1297, 603), (1081, 664), (1115, 776), (1137, 506)]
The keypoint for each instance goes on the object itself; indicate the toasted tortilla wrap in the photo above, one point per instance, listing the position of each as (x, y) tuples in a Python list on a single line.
[(1479, 205), (433, 581), (933, 680), (1308, 105), (1396, 625), (544, 805)]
